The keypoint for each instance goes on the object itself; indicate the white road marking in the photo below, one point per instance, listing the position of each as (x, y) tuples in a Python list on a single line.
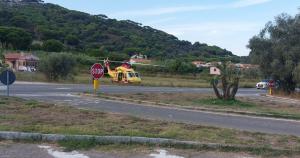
[(163, 154), (67, 100), (59, 154), (35, 83), (47, 94), (62, 88)]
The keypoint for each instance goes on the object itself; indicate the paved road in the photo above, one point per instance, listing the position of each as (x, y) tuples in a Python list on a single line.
[(23, 87), (64, 94)]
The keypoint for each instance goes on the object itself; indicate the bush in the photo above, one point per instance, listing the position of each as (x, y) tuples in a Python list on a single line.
[(56, 66)]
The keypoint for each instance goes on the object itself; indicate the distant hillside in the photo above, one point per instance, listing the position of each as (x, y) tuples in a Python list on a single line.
[(82, 32)]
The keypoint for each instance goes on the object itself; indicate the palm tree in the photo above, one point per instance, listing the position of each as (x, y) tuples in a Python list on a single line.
[(229, 82)]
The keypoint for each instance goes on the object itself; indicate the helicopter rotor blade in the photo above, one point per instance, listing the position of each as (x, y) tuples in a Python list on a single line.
[(122, 62), (147, 64)]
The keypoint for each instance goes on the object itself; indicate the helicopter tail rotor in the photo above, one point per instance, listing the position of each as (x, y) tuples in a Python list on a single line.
[(106, 62)]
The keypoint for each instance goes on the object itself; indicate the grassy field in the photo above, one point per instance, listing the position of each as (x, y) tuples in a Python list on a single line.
[(208, 101), (160, 80), (31, 116)]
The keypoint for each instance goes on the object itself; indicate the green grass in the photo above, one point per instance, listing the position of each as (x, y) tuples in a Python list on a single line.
[(70, 144), (31, 103), (2, 102), (226, 103)]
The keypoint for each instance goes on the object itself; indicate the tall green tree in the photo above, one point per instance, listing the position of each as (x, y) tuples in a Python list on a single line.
[(15, 37), (277, 50)]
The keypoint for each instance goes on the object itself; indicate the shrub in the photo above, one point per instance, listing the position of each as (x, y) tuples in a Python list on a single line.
[(57, 66)]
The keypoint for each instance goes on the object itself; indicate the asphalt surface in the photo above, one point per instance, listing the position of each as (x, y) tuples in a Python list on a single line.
[(26, 88), (65, 94)]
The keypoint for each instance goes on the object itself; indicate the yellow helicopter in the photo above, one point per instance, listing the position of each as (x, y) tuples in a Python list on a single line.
[(123, 74)]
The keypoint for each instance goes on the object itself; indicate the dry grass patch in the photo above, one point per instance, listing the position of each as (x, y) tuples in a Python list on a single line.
[(294, 95)]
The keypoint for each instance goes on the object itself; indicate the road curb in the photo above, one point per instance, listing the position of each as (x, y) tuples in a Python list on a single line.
[(5, 135), (106, 140), (155, 104)]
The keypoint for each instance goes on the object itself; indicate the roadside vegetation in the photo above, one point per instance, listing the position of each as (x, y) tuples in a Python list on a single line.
[(277, 50), (31, 116)]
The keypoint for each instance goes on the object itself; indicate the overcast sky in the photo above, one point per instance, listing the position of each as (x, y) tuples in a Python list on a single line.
[(225, 23)]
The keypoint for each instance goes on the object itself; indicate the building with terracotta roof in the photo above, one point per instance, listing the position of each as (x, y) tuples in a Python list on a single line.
[(139, 58), (21, 61), (246, 66), (199, 64)]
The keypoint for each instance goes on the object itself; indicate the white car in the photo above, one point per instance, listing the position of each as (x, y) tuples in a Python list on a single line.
[(262, 85), (26, 69), (22, 68)]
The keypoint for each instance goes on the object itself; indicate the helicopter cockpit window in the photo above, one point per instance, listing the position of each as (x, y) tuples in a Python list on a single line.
[(130, 74), (137, 75)]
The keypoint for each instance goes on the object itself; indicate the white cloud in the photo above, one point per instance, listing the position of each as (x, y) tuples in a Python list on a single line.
[(216, 28), (233, 35), (165, 10), (178, 9)]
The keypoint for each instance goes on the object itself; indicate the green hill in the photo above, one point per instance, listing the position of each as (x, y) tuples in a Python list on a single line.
[(97, 35)]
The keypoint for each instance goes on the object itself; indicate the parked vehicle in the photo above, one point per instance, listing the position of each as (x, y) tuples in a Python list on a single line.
[(264, 84), (22, 68), (26, 69)]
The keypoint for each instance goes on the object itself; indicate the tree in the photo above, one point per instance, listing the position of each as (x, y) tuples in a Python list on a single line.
[(72, 40), (296, 73), (53, 46), (56, 66), (277, 50), (229, 82), (17, 38), (181, 66), (1, 57), (21, 22)]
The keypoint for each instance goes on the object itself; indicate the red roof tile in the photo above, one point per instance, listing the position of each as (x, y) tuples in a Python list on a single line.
[(23, 56)]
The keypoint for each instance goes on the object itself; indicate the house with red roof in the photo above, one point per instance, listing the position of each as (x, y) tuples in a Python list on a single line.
[(21, 61)]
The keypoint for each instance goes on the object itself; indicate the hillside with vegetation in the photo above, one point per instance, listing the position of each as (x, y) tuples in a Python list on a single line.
[(34, 25)]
